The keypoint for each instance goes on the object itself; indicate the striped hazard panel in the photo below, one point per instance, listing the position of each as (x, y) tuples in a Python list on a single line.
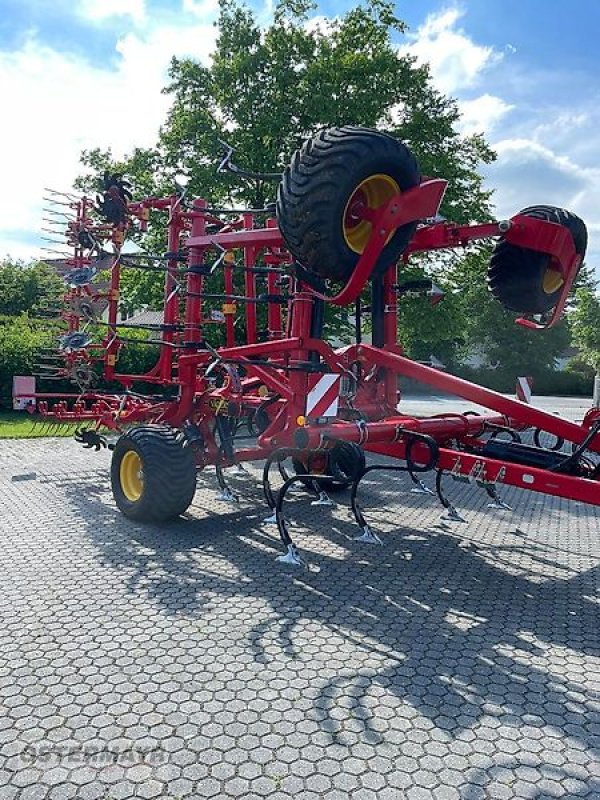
[(324, 397)]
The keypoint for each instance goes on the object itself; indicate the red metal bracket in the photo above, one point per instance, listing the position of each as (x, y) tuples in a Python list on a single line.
[(557, 242), (420, 202)]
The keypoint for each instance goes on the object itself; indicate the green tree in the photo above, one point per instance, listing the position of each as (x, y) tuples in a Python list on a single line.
[(584, 321), (20, 342), (267, 89), (27, 287), (490, 330)]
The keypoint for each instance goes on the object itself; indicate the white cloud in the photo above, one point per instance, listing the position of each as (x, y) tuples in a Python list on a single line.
[(15, 250), (201, 8), (482, 114), (99, 10), (546, 143), (529, 173), (62, 104), (456, 61)]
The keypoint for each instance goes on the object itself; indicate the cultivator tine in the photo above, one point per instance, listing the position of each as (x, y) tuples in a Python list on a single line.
[(285, 475), (497, 503), (368, 536), (56, 213), (292, 557), (419, 487), (225, 495), (323, 500), (450, 514)]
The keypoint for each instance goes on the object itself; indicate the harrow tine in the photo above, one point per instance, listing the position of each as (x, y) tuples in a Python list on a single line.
[(72, 197), (51, 241)]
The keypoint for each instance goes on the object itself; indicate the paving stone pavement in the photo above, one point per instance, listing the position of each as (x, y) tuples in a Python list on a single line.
[(181, 660)]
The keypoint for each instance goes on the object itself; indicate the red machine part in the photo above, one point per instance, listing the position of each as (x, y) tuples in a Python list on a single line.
[(279, 372)]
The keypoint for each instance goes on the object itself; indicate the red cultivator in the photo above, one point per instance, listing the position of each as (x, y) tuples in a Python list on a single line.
[(350, 207)]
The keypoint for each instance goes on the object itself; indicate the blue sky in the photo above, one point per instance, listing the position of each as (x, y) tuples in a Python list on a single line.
[(88, 73)]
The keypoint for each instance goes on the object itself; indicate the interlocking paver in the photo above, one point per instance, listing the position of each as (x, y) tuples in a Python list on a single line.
[(182, 661)]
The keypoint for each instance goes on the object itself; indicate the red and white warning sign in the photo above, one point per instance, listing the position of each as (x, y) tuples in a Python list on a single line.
[(523, 389), (324, 397), (23, 392)]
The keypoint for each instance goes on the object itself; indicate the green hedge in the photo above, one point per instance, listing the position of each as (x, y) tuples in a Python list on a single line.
[(22, 339), (544, 383)]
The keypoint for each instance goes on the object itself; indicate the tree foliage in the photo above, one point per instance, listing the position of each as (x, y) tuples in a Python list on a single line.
[(490, 331), (26, 287), (20, 342), (267, 89), (584, 321)]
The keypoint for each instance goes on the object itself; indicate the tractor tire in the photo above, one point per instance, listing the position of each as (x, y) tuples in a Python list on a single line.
[(524, 280), (328, 176), (153, 473), (345, 462)]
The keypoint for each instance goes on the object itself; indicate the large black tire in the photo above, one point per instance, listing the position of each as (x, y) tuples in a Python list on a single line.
[(153, 473), (522, 279), (345, 462), (320, 187)]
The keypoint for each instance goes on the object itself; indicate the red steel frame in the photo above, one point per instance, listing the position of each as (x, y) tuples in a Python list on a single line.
[(282, 363)]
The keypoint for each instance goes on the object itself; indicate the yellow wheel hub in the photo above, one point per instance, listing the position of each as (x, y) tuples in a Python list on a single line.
[(374, 192), (552, 281), (131, 476)]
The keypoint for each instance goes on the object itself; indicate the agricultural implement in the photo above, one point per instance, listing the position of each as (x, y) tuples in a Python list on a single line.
[(239, 339)]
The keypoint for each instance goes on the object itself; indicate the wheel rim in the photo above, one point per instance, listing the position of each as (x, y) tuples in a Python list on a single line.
[(374, 192), (552, 280), (131, 476)]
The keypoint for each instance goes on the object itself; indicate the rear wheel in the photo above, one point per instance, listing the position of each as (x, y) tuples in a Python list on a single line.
[(526, 280), (331, 179), (153, 473)]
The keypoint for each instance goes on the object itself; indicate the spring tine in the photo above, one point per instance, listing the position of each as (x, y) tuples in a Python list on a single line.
[(52, 241), (58, 213), (56, 225), (57, 202), (70, 195), (62, 253)]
